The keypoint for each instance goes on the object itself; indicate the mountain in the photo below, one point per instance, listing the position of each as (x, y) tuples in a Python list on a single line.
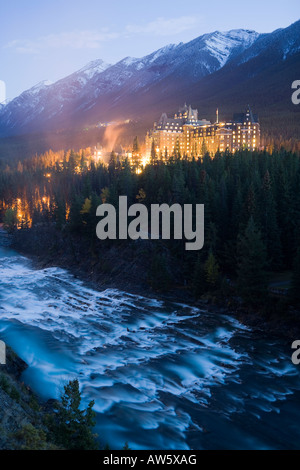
[(90, 94), (262, 76), (227, 69)]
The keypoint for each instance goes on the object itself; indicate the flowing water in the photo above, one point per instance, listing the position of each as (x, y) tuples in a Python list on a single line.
[(163, 375)]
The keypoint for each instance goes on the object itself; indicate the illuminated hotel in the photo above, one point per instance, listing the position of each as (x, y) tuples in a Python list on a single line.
[(188, 136)]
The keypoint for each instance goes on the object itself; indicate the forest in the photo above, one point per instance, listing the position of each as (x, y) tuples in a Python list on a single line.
[(252, 218)]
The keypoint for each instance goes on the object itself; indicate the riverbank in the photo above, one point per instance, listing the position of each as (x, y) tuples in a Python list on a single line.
[(126, 268), (22, 413)]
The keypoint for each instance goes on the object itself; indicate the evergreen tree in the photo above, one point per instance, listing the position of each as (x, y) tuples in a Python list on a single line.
[(271, 234), (10, 221), (112, 165), (75, 218), (178, 186), (295, 287), (199, 279), (126, 181), (251, 265), (136, 145), (105, 195), (72, 427), (159, 277), (153, 153), (212, 271), (60, 213)]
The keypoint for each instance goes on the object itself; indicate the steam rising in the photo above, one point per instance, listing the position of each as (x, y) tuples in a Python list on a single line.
[(111, 136)]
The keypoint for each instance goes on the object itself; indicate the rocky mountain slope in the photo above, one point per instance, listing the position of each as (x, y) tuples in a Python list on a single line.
[(100, 92), (225, 70)]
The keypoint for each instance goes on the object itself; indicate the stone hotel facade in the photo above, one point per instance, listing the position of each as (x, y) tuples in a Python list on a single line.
[(191, 137)]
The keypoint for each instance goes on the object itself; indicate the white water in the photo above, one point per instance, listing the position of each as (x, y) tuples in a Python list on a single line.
[(163, 375)]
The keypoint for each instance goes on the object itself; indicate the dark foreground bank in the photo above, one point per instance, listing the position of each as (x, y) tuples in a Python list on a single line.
[(22, 414)]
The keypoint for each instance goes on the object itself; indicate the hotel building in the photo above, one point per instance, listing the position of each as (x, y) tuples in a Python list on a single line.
[(188, 136)]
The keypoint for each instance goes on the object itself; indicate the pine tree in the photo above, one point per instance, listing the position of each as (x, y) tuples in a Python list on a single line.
[(75, 216), (112, 165), (295, 288), (126, 181), (10, 221), (105, 195), (60, 213), (158, 276), (153, 153), (178, 186), (251, 265), (199, 280), (136, 145), (271, 234), (72, 428), (212, 271)]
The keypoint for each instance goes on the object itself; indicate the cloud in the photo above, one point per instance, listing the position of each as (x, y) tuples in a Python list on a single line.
[(94, 39), (164, 26), (70, 40)]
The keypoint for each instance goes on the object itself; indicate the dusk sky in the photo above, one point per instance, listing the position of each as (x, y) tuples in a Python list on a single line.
[(49, 40)]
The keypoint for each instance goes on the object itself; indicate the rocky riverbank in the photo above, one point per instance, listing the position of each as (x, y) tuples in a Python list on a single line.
[(22, 414)]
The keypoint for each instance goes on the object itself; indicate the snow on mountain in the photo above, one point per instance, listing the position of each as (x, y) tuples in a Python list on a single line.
[(275, 46), (91, 69), (37, 88), (222, 45), (100, 90)]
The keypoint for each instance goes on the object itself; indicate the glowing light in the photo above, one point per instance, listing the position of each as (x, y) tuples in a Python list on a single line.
[(68, 208), (145, 161)]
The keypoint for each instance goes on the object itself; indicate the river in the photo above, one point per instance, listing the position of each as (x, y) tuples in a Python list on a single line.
[(163, 375)]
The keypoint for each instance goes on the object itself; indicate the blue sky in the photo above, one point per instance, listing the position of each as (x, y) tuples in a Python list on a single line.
[(47, 40)]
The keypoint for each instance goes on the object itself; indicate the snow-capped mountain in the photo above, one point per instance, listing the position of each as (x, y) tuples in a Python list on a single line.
[(91, 69), (133, 87), (224, 46)]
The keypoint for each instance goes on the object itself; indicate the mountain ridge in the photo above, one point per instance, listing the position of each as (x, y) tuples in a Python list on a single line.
[(205, 72)]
